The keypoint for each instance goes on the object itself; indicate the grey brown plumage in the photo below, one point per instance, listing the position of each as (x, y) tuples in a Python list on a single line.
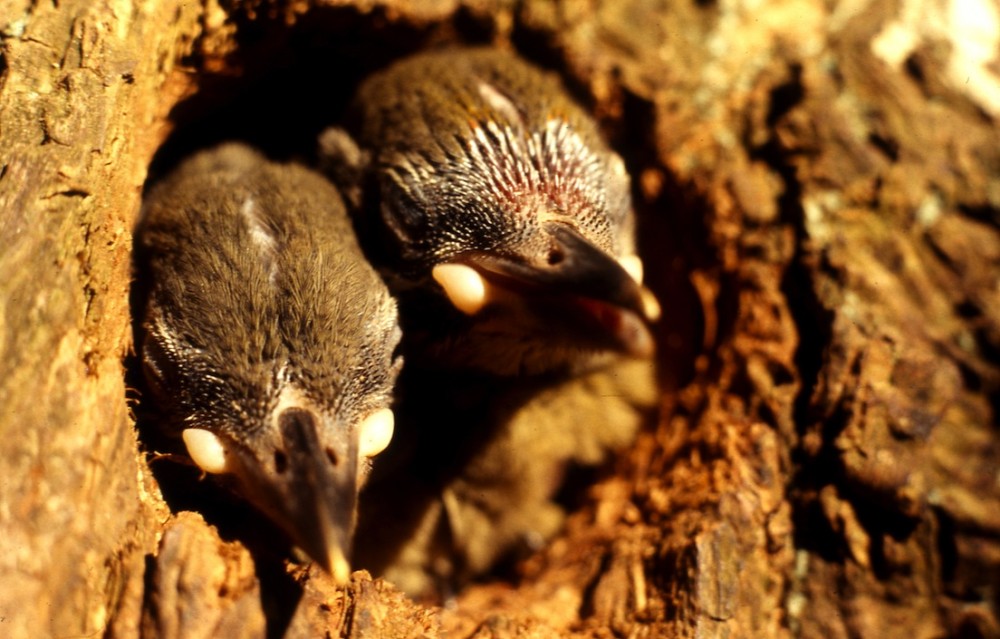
[(475, 157), (267, 329)]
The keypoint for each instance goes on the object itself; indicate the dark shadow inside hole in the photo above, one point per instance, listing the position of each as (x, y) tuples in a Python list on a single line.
[(284, 85), (671, 239)]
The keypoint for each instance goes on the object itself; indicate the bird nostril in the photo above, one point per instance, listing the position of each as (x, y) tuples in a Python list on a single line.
[(555, 256), (280, 461), (332, 456)]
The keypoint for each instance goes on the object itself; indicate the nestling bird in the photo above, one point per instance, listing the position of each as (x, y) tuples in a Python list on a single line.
[(268, 339), (494, 206), (503, 223)]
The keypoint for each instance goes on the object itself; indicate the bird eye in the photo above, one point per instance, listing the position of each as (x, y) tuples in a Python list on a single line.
[(375, 432), (555, 256)]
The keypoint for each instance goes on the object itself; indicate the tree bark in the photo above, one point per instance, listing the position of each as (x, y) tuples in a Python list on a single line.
[(818, 186)]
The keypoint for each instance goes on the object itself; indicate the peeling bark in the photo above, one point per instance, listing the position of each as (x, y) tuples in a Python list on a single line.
[(818, 188)]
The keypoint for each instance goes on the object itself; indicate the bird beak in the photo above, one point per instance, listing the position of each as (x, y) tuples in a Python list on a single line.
[(310, 488), (578, 287), (319, 491)]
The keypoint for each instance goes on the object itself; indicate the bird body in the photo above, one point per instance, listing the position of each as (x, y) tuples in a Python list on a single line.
[(503, 224), (268, 339), (475, 474)]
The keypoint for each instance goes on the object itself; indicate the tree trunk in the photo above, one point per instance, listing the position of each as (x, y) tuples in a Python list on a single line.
[(818, 187)]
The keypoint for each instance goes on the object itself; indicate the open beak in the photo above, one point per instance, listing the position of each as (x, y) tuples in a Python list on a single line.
[(578, 289)]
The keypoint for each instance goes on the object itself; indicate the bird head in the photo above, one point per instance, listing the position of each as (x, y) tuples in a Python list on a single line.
[(301, 468), (498, 195), (269, 341)]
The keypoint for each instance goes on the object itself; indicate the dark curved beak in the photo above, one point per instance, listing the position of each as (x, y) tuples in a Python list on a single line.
[(308, 486), (575, 267), (579, 285)]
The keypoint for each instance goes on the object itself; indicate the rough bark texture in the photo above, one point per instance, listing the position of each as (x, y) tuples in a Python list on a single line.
[(819, 188)]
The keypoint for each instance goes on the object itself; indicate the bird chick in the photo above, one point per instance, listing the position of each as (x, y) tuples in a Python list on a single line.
[(495, 208), (503, 223), (268, 339)]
